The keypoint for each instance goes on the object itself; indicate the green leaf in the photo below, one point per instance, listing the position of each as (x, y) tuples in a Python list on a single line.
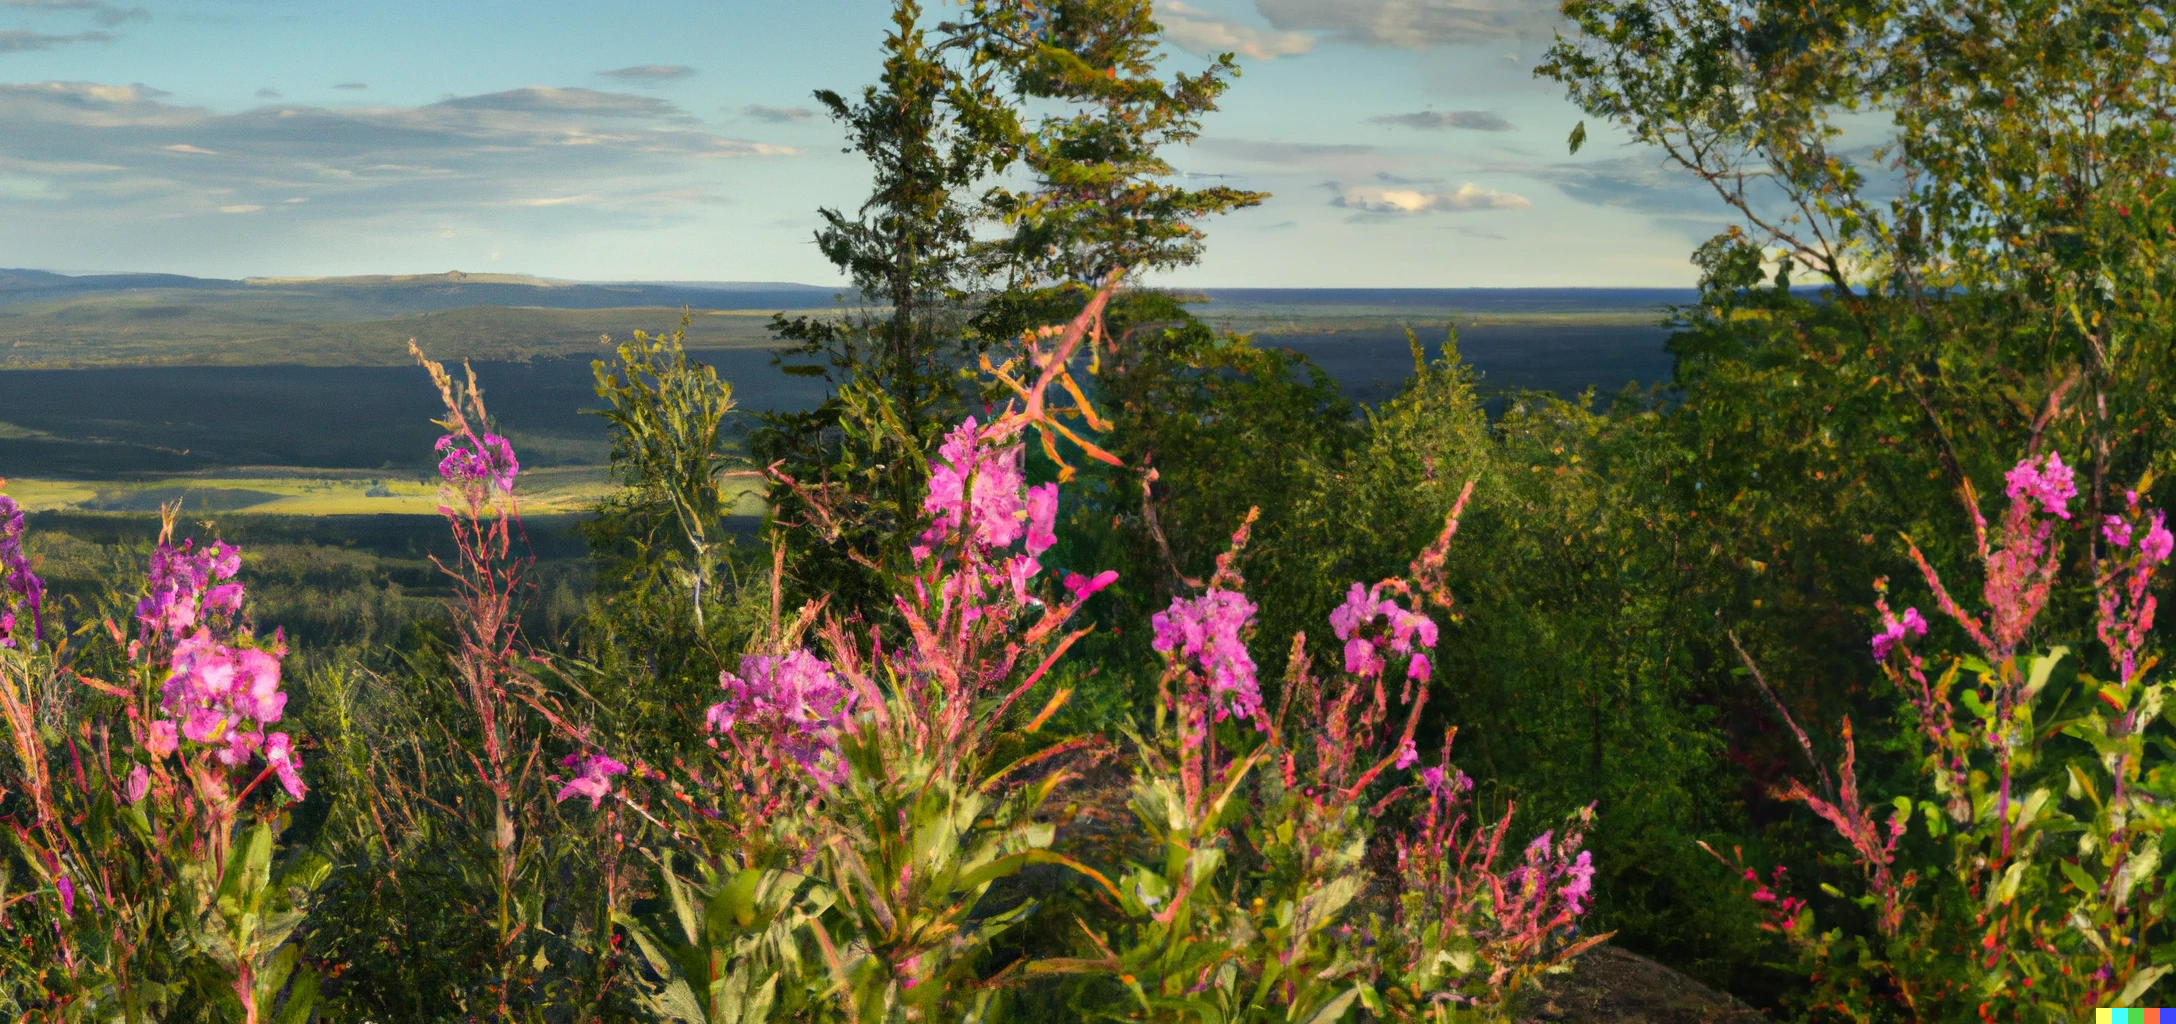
[(1578, 137)]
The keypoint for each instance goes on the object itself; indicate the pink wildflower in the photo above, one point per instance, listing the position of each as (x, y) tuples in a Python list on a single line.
[(139, 784), (468, 459), (1081, 586), (2159, 543), (1370, 623), (2051, 483), (1575, 892), (180, 593), (1896, 630), (19, 585), (795, 702), (991, 513), (67, 895), (1206, 632), (593, 777), (1042, 518), (279, 752), (1408, 756)]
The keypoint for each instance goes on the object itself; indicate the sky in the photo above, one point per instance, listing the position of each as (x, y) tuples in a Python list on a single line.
[(1407, 143)]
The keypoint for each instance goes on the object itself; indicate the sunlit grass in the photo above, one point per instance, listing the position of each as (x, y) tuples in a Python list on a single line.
[(558, 489)]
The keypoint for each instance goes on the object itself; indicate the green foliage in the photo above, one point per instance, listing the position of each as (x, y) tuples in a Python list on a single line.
[(1102, 201)]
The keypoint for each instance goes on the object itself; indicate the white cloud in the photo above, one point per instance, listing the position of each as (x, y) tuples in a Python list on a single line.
[(1203, 34), (113, 151), (1412, 24), (1400, 201), (241, 208)]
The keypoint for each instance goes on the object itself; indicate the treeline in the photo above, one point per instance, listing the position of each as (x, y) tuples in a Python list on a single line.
[(1092, 665)]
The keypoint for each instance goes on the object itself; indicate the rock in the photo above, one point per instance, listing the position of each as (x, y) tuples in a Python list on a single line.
[(1611, 986)]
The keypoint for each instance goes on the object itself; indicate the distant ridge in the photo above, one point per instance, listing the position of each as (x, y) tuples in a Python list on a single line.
[(391, 294)]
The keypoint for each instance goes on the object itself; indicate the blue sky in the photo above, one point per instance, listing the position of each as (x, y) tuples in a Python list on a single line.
[(1406, 141)]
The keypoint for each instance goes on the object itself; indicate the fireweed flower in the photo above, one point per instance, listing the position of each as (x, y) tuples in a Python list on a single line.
[(2048, 482), (478, 459), (139, 784), (981, 491), (1205, 632), (2124, 583), (1894, 630), (187, 587), (20, 587), (220, 689), (592, 777), (795, 702), (1369, 622)]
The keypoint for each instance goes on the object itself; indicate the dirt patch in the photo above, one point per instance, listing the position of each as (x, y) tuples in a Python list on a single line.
[(1611, 986)]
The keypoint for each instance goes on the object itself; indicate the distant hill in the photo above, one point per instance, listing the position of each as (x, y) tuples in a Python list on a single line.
[(381, 296)]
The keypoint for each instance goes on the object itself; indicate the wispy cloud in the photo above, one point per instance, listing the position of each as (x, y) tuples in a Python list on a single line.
[(1407, 201), (776, 115), (650, 74), (17, 40), (1643, 185), (351, 86), (1439, 120), (1203, 34), (101, 12), (1412, 24), (126, 151), (268, 93)]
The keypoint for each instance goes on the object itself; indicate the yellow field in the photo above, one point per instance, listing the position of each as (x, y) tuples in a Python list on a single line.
[(277, 492)]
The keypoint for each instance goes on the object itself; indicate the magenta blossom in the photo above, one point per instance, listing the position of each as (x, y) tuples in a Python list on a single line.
[(20, 587), (67, 895), (139, 784), (469, 458), (216, 691), (795, 702), (2049, 482), (187, 587), (1369, 622), (592, 777), (1081, 587), (1582, 883), (980, 491), (1205, 631), (2159, 543), (1895, 630)]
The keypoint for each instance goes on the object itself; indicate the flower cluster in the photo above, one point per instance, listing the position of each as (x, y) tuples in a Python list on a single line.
[(2125, 582), (980, 491), (1545, 867), (188, 587), (592, 777), (478, 459), (2021, 563), (1369, 622), (20, 587), (1206, 632), (2046, 481), (221, 689), (795, 704), (1894, 630)]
